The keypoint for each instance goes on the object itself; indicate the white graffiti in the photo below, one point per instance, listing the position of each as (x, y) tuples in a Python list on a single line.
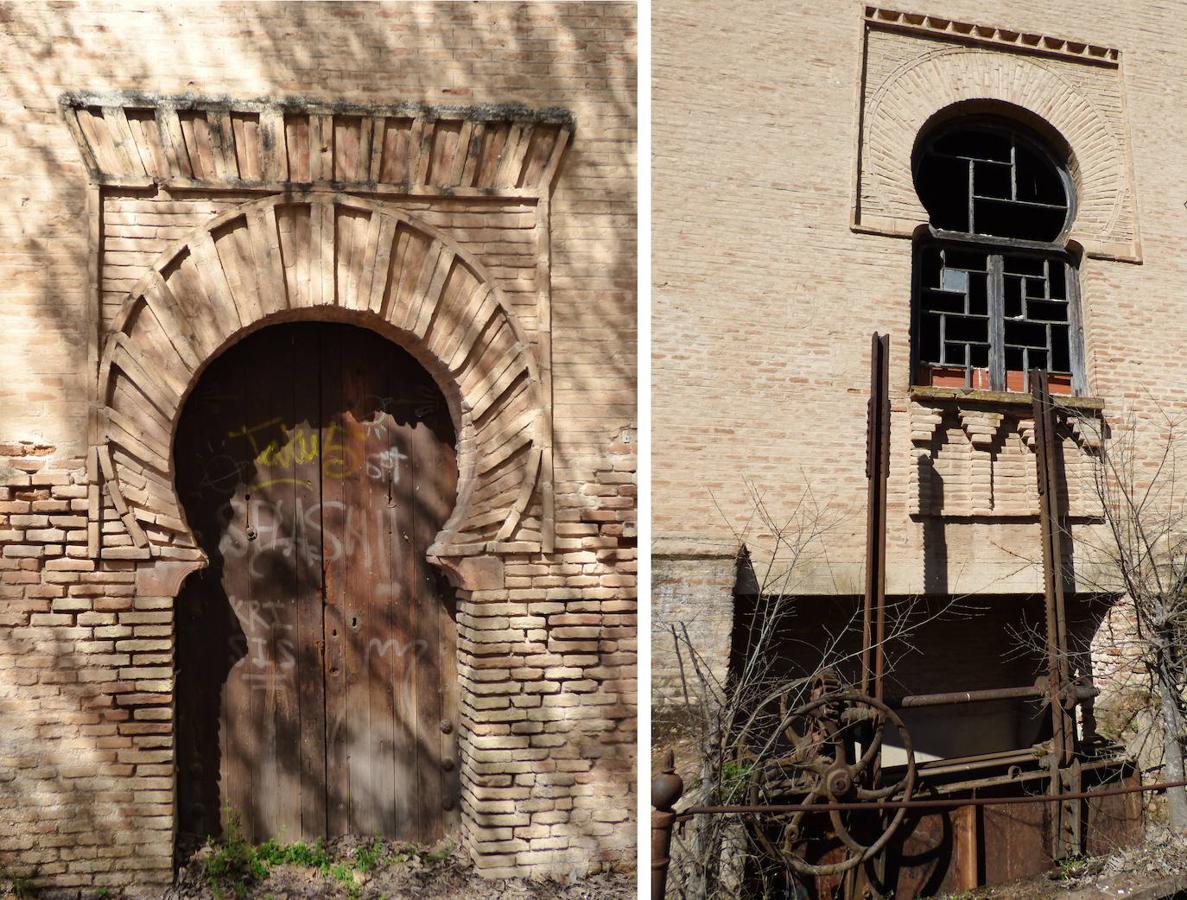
[(397, 648), (266, 649), (385, 464), (304, 536)]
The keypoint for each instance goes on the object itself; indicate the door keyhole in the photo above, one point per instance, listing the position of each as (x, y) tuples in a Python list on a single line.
[(251, 531)]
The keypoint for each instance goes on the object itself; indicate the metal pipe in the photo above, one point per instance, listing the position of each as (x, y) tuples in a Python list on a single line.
[(777, 808), (882, 342), (914, 701)]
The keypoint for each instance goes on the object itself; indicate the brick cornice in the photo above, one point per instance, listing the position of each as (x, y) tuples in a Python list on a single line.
[(918, 69), (991, 36), (191, 142)]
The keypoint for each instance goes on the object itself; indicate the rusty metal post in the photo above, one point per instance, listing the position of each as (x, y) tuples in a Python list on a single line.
[(1066, 838), (966, 847), (874, 608), (666, 789), (877, 472)]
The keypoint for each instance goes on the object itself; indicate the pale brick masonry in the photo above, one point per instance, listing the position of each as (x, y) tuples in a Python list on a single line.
[(99, 350), (785, 205), (86, 748)]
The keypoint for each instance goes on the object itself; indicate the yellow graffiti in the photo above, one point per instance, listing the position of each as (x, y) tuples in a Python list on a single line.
[(299, 445)]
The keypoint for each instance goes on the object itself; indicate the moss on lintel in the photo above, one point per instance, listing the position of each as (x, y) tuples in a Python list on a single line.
[(482, 112), (1001, 398)]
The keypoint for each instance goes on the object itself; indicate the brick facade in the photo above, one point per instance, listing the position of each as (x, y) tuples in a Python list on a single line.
[(511, 165), (782, 240)]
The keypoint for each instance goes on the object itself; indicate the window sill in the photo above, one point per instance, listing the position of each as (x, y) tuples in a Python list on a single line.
[(1001, 398)]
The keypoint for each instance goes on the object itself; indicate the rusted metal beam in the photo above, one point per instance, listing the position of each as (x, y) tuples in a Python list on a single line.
[(965, 848), (877, 471), (936, 803), (912, 701), (1051, 522)]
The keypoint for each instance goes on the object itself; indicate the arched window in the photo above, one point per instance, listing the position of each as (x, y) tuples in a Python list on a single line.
[(994, 282)]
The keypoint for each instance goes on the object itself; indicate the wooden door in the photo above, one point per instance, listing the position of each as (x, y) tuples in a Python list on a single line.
[(316, 675)]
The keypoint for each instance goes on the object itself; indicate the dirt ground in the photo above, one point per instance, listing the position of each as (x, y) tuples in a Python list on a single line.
[(449, 875), (1155, 869)]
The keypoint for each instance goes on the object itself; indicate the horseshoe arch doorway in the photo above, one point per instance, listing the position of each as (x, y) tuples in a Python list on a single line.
[(316, 654)]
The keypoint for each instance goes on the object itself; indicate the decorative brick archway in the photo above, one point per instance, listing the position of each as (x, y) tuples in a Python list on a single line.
[(429, 226), (320, 256), (916, 67)]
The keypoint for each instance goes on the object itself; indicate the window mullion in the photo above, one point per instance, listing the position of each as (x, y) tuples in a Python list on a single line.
[(1075, 331), (997, 325)]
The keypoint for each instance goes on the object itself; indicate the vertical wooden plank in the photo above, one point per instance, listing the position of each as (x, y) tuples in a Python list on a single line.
[(371, 251), (511, 160), (222, 142), (362, 361), (544, 184), (420, 175), (415, 145), (434, 471), (251, 489), (346, 147), (173, 140), (388, 641), (321, 147), (202, 153), (378, 135), (381, 264), (89, 154), (265, 242), (461, 156), (405, 606), (241, 761), (273, 152), (343, 243), (125, 142), (473, 153), (362, 163), (340, 663), (325, 251), (308, 551)]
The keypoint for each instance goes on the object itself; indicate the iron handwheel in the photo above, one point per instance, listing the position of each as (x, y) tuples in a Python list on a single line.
[(808, 754)]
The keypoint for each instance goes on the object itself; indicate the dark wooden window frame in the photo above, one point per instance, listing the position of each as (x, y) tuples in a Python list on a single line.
[(997, 250)]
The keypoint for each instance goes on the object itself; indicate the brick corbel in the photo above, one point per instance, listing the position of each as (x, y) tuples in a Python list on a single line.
[(472, 573)]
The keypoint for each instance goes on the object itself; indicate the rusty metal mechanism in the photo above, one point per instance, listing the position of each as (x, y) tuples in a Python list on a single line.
[(1065, 774), (810, 755), (823, 750)]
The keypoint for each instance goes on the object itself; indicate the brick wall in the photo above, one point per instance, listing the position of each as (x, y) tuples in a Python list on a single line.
[(694, 596), (547, 639), (86, 751), (766, 294)]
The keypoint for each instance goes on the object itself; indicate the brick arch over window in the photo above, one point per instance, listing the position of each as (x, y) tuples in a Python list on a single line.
[(918, 91), (320, 256)]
